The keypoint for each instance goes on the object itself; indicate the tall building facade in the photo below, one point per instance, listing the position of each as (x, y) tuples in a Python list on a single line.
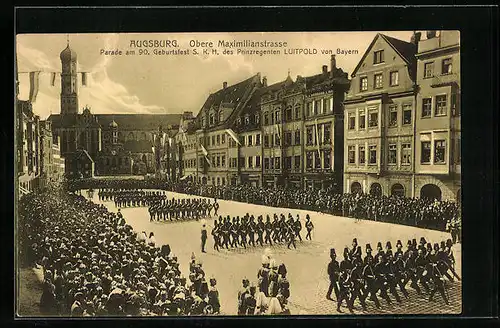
[(438, 129), (28, 146), (379, 120)]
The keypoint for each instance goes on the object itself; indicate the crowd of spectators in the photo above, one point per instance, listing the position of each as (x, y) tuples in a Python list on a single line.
[(94, 264)]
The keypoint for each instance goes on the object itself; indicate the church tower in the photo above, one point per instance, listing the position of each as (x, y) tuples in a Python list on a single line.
[(69, 79)]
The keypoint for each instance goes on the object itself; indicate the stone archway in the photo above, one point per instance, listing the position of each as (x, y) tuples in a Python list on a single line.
[(398, 190), (356, 188), (376, 189), (430, 191)]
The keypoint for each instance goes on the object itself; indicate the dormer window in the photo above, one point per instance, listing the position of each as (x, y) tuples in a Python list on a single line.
[(257, 118), (212, 121), (238, 121), (247, 120), (221, 116), (203, 122)]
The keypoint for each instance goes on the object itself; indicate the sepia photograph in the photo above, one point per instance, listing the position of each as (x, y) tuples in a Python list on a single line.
[(238, 174)]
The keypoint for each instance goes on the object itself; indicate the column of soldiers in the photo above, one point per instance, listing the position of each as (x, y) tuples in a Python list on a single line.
[(182, 209), (421, 265), (248, 231), (130, 198)]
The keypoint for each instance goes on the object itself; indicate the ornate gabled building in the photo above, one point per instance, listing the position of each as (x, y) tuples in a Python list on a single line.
[(380, 118), (117, 144), (210, 154)]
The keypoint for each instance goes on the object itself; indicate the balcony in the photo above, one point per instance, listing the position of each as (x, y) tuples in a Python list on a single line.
[(444, 80)]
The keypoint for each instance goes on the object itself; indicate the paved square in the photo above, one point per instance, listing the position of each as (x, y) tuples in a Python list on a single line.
[(307, 265)]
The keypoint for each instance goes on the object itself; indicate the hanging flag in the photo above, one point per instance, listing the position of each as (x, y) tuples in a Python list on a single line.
[(34, 85), (233, 135), (84, 79), (205, 152), (53, 79), (208, 161)]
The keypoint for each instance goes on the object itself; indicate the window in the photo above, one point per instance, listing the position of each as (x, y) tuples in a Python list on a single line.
[(250, 141), (326, 105), (309, 135), (221, 116), (362, 119), (257, 139), (297, 111), (223, 139), (363, 83), (257, 161), (266, 118), (378, 81), (296, 163), (277, 116), (223, 161), (440, 105), (218, 161), (393, 153), (352, 121), (378, 57), (241, 162), (250, 161), (287, 163), (309, 109), (429, 69), (317, 107), (393, 116), (271, 163), (426, 107), (317, 160), (446, 67), (266, 141), (373, 119), (425, 157), (247, 119), (351, 154), (213, 140), (326, 134), (257, 119), (207, 141), (242, 140), (276, 139), (211, 119), (406, 114), (288, 138), (327, 158), (288, 113), (406, 154), (362, 155), (439, 151), (394, 78), (309, 160), (277, 162), (223, 181), (373, 155), (218, 139), (238, 121), (297, 137), (266, 163)]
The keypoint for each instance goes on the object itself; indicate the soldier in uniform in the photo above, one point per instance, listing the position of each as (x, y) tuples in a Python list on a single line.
[(368, 251), (290, 231), (243, 232), (251, 228), (333, 274), (298, 227), (380, 274), (216, 206), (309, 227), (345, 286), (371, 280), (216, 235), (203, 237), (268, 226), (437, 278), (234, 233), (358, 289), (260, 227)]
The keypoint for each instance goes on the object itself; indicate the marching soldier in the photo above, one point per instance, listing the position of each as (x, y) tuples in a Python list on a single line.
[(345, 285), (216, 206), (371, 281), (298, 227), (333, 274), (260, 230), (358, 290), (309, 227), (251, 227), (268, 226), (216, 235), (203, 237)]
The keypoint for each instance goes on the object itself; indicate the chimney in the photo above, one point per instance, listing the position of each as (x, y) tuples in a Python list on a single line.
[(264, 81), (415, 38), (325, 69), (224, 85), (333, 64)]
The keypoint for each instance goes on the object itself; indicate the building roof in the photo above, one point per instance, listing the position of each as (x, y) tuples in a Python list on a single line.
[(146, 122), (138, 146), (406, 50), (68, 54), (83, 153)]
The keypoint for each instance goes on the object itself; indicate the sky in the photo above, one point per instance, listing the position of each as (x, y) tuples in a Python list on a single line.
[(159, 84)]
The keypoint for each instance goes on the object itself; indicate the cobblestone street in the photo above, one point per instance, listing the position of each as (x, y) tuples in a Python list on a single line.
[(307, 265)]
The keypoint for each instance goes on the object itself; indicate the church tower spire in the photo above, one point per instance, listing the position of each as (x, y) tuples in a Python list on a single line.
[(69, 81)]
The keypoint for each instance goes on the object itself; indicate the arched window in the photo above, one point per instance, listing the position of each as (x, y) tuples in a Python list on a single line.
[(212, 121), (356, 188), (130, 136), (247, 119), (398, 190), (257, 119), (431, 192), (221, 116), (376, 189)]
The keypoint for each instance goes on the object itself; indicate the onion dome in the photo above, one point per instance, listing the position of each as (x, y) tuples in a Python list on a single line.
[(68, 54), (113, 124)]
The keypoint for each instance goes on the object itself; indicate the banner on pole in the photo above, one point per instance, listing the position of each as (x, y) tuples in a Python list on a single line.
[(34, 85)]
